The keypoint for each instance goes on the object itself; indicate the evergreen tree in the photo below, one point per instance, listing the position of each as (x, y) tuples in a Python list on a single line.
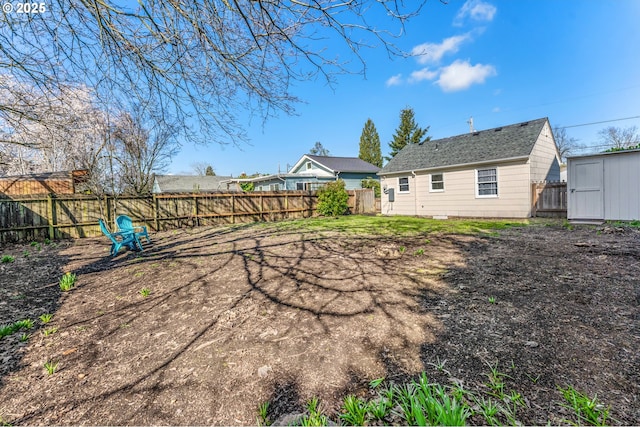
[(319, 150), (209, 171), (407, 132), (370, 144)]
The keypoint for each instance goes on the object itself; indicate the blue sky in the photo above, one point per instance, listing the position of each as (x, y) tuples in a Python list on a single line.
[(500, 62)]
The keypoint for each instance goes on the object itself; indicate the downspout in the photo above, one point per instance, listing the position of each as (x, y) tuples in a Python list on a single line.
[(415, 193)]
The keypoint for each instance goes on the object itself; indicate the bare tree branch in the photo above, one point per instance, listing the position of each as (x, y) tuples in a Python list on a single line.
[(203, 63)]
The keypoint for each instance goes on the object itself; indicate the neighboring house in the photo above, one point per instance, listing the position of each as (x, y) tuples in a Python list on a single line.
[(563, 172), (192, 184), (480, 174), (312, 172), (604, 186), (43, 183)]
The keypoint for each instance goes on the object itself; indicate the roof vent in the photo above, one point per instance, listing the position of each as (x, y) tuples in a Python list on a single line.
[(524, 124), (476, 133), (497, 129)]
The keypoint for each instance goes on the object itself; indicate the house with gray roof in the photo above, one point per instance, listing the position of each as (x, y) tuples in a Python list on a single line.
[(192, 184), (479, 174), (312, 172)]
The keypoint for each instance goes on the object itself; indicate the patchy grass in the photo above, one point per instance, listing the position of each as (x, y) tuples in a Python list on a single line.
[(399, 225)]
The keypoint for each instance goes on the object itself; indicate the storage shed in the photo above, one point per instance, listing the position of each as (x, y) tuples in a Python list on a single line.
[(604, 186), (43, 183)]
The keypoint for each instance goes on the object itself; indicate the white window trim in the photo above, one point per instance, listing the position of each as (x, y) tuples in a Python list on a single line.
[(488, 196), (431, 190), (408, 184)]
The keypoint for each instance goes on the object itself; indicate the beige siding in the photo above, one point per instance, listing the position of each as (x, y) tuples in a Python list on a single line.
[(459, 195), (545, 165), (405, 203)]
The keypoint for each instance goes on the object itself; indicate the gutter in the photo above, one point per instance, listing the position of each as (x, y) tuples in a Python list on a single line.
[(459, 165)]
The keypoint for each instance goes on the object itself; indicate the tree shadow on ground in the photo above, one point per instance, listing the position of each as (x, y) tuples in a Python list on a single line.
[(232, 318), (29, 288)]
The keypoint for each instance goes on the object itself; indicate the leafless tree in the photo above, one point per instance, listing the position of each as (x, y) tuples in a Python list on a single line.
[(203, 63), (141, 150), (203, 169), (566, 144), (68, 133), (120, 149), (618, 138)]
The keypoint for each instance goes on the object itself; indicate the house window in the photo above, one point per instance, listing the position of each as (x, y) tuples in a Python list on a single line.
[(437, 182), (403, 184), (308, 165), (309, 186), (274, 187), (487, 182)]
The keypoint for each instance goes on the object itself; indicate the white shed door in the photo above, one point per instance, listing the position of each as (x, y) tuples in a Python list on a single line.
[(586, 199)]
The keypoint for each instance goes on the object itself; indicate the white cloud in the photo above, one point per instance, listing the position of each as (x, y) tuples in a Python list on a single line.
[(423, 74), (476, 10), (433, 52), (496, 110), (461, 75), (394, 80)]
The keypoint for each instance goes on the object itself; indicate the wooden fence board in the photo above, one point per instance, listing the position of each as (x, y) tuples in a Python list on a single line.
[(549, 199), (29, 218)]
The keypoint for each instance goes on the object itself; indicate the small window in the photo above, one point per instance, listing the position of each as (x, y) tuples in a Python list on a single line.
[(487, 180), (308, 165), (274, 187), (299, 185), (437, 182), (314, 186), (403, 185)]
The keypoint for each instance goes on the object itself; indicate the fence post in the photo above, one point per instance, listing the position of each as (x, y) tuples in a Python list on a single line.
[(534, 199), (261, 208), (195, 210), (51, 217), (233, 209), (156, 223), (105, 212)]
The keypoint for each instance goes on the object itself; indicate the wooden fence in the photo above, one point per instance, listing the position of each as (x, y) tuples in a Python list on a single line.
[(549, 199), (52, 217)]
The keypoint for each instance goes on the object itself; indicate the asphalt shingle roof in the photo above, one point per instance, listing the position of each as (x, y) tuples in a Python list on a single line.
[(499, 143), (189, 183), (345, 164)]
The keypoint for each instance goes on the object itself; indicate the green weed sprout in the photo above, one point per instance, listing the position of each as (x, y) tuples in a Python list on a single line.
[(67, 281)]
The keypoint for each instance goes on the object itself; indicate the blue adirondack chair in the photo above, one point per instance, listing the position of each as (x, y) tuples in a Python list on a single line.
[(125, 224), (120, 239)]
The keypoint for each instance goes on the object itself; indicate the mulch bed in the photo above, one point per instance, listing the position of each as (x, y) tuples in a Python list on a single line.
[(240, 315)]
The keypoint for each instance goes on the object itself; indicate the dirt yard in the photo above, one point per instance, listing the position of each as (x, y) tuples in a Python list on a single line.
[(239, 316)]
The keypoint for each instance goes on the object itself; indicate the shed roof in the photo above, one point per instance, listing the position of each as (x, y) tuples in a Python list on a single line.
[(605, 153), (501, 143), (78, 175)]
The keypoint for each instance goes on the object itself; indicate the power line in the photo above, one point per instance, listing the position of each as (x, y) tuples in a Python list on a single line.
[(603, 121)]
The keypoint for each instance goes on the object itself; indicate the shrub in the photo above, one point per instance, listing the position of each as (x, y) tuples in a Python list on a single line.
[(332, 199), (247, 186)]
